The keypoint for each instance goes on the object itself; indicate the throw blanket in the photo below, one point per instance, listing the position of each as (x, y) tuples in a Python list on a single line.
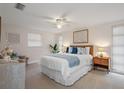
[(72, 60)]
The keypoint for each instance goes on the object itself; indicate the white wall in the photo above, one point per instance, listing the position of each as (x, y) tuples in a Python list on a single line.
[(33, 53), (99, 36)]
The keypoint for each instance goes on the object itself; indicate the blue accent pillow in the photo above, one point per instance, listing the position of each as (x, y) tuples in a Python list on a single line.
[(67, 49), (74, 50)]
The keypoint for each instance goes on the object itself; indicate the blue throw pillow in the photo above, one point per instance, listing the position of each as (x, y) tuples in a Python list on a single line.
[(67, 49), (74, 50)]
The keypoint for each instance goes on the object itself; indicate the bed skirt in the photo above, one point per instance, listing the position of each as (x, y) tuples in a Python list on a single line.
[(70, 80)]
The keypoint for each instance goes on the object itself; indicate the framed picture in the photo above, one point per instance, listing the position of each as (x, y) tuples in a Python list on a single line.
[(80, 36), (13, 38)]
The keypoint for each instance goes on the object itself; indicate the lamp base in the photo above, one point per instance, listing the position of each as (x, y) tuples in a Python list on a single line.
[(101, 55)]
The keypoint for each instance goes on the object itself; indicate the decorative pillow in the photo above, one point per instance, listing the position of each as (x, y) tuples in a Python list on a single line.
[(87, 50), (79, 50), (74, 50), (70, 49), (67, 49)]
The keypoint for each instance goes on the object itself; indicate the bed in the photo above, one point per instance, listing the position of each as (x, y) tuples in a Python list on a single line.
[(58, 69)]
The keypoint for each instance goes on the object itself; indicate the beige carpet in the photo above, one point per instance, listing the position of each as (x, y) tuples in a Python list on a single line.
[(93, 80)]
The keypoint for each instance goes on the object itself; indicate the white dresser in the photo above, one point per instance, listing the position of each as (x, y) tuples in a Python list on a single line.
[(12, 75)]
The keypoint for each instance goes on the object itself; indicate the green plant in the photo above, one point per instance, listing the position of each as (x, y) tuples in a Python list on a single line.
[(13, 55), (54, 48)]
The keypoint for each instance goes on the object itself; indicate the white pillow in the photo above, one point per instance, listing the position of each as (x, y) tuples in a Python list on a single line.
[(70, 50), (87, 50), (80, 50)]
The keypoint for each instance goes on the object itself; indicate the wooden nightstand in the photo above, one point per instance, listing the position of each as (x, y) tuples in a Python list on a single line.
[(101, 62)]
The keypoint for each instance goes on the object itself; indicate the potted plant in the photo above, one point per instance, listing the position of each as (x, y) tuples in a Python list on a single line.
[(54, 48)]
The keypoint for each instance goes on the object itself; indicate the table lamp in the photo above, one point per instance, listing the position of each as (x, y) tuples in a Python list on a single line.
[(101, 51)]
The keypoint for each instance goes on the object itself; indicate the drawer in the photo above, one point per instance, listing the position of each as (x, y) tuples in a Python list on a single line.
[(96, 60), (101, 61), (104, 62)]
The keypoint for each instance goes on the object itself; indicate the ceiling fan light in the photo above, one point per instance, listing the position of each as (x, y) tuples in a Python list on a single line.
[(59, 26)]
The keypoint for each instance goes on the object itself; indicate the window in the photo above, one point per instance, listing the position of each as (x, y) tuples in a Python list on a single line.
[(34, 40), (118, 49)]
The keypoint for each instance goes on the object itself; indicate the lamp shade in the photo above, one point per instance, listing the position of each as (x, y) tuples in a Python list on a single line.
[(100, 49), (100, 52)]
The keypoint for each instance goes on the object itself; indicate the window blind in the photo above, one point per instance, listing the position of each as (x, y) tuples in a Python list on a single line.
[(34, 40), (118, 49)]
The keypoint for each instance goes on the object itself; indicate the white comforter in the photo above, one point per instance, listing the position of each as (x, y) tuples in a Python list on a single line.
[(60, 64)]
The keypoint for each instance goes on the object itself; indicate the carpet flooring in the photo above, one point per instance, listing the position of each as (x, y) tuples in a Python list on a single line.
[(93, 80)]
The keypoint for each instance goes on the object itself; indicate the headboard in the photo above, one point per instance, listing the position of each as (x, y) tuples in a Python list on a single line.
[(83, 46)]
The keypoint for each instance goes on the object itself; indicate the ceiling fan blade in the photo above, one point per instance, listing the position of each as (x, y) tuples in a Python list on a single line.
[(65, 14), (70, 23), (38, 16), (43, 17), (47, 17)]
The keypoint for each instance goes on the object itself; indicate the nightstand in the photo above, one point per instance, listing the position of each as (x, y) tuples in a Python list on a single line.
[(102, 62)]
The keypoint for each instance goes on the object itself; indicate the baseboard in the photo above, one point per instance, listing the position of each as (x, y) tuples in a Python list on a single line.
[(34, 61)]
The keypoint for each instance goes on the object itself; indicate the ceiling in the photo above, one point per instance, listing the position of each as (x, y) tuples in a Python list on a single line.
[(81, 15)]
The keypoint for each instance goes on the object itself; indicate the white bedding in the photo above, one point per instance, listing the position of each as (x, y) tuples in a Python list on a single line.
[(61, 65), (72, 78)]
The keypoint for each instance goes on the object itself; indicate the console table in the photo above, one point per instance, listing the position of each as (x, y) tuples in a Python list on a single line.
[(12, 74)]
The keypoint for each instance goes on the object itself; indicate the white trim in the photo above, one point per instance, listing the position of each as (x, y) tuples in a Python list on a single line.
[(34, 61)]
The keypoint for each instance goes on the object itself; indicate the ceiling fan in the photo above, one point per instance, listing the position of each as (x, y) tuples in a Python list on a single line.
[(59, 22)]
